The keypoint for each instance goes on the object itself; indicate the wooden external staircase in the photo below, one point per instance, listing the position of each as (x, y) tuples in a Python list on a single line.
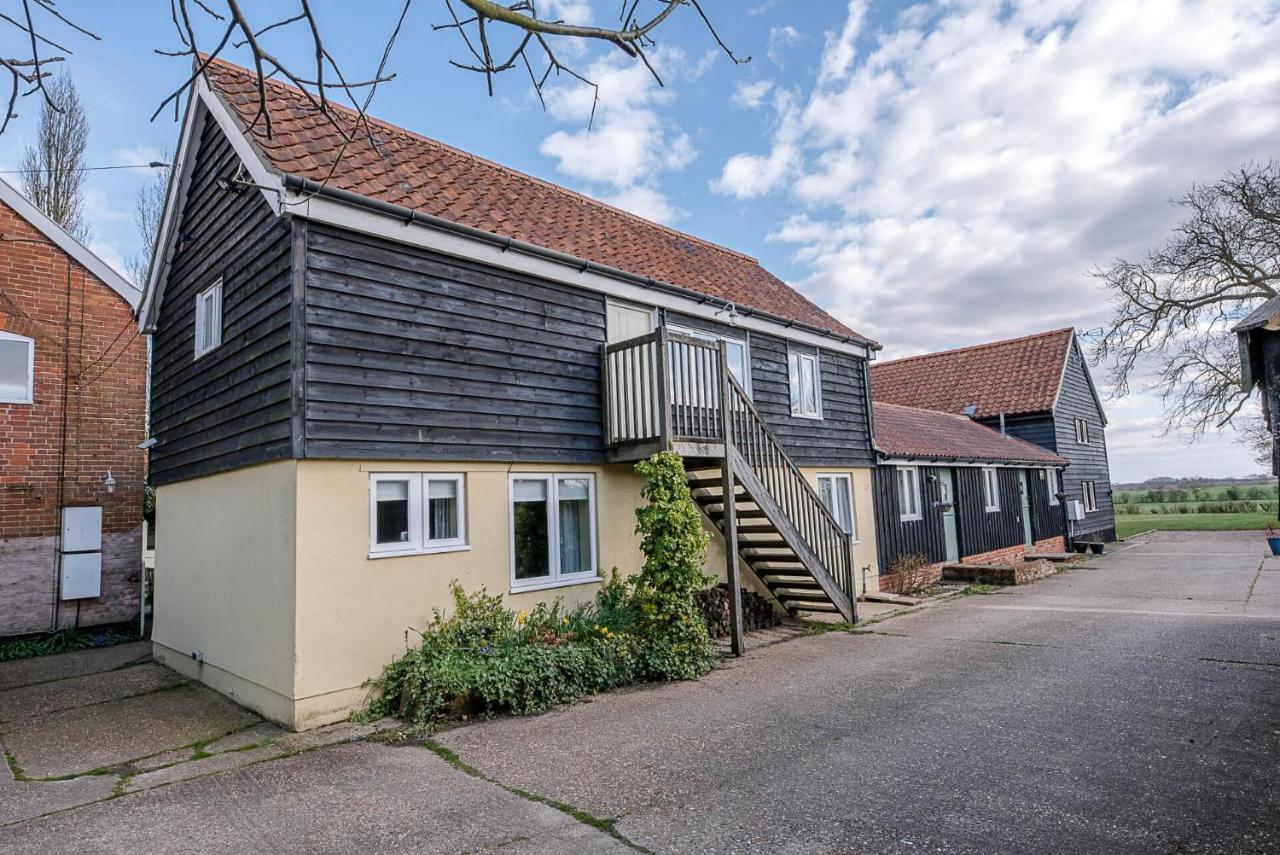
[(667, 390)]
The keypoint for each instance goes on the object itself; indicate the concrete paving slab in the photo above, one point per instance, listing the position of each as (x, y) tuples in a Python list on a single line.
[(39, 669), (263, 731), (358, 798), (55, 695), (20, 800), (85, 738), (188, 771)]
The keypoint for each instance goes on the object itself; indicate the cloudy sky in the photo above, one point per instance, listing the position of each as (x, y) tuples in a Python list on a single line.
[(934, 174)]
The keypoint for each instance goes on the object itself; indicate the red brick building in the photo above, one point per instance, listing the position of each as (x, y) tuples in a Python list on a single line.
[(73, 373)]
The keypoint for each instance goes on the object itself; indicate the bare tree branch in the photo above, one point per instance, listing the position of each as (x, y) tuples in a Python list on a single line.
[(1173, 310)]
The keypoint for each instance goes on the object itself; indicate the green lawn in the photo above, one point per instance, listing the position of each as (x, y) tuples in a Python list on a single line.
[(1128, 525)]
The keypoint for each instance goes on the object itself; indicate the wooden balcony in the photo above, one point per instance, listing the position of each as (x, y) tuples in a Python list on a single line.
[(667, 390)]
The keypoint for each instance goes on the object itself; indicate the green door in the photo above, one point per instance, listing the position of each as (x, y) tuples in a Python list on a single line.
[(947, 501), (1024, 496)]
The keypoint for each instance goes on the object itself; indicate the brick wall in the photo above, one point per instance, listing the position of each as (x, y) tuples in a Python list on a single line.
[(80, 323), (1008, 555)]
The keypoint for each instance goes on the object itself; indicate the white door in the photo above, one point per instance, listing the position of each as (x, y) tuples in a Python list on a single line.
[(624, 321)]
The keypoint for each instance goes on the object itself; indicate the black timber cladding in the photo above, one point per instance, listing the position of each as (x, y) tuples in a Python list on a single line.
[(842, 437), (341, 345), (1088, 460), (413, 355), (977, 530), (230, 407), (896, 537)]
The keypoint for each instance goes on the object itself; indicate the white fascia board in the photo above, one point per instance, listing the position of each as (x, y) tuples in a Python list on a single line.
[(59, 237), (202, 106), (320, 209), (934, 461)]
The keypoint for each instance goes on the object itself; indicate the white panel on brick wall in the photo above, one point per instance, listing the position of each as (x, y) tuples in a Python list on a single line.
[(81, 575), (81, 529)]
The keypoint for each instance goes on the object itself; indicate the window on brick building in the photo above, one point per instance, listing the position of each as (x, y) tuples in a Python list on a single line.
[(17, 369)]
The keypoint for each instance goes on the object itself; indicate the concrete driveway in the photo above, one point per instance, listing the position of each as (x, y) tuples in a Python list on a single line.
[(1131, 704)]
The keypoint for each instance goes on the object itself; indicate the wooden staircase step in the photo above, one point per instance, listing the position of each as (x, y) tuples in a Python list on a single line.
[(758, 528), (808, 606), (800, 584), (761, 543)]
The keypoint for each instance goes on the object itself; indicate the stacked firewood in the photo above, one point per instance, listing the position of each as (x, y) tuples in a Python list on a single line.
[(757, 611)]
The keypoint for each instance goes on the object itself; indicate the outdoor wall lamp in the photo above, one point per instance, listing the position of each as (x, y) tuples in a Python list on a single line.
[(110, 482)]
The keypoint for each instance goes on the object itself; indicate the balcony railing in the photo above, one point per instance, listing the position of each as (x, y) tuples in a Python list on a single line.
[(665, 390)]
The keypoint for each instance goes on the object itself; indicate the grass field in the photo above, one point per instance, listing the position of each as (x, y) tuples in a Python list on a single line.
[(1128, 525)]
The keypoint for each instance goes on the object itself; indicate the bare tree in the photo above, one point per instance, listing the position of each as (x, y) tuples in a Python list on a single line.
[(52, 170), (1174, 309), (148, 211), (29, 71), (497, 38)]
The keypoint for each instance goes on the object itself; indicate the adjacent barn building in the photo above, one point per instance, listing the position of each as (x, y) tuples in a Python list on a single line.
[(951, 490), (1259, 337), (1035, 388)]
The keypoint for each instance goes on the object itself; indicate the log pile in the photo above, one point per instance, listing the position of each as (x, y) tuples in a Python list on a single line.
[(757, 611)]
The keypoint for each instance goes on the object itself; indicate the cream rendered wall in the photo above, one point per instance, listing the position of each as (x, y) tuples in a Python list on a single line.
[(225, 583), (353, 612)]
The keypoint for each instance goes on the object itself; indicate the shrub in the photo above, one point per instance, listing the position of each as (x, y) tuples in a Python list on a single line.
[(912, 572), (676, 643), (484, 659)]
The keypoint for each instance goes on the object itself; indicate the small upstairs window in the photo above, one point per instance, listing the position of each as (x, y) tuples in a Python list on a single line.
[(1082, 431), (209, 319), (1089, 491), (806, 391), (17, 369)]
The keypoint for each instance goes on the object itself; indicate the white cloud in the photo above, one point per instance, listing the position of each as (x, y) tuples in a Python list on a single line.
[(137, 155), (953, 180), (628, 145), (779, 39), (751, 95)]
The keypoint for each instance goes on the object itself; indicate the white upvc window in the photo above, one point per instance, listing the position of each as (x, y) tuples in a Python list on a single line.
[(836, 492), (1090, 494), (909, 493), (735, 352), (209, 319), (1051, 481), (1082, 431), (991, 489), (805, 378), (553, 530), (417, 513), (17, 369)]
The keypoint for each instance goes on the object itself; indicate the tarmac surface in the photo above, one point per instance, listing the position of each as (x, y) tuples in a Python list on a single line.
[(1128, 704)]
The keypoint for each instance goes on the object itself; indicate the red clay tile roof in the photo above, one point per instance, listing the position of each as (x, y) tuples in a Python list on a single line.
[(432, 178), (931, 435), (1018, 375)]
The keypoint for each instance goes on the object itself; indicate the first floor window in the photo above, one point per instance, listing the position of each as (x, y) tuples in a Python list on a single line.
[(1090, 492), (553, 529), (836, 492), (17, 369), (1082, 431), (909, 492), (209, 319), (991, 489), (421, 512), (1051, 479), (805, 379)]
